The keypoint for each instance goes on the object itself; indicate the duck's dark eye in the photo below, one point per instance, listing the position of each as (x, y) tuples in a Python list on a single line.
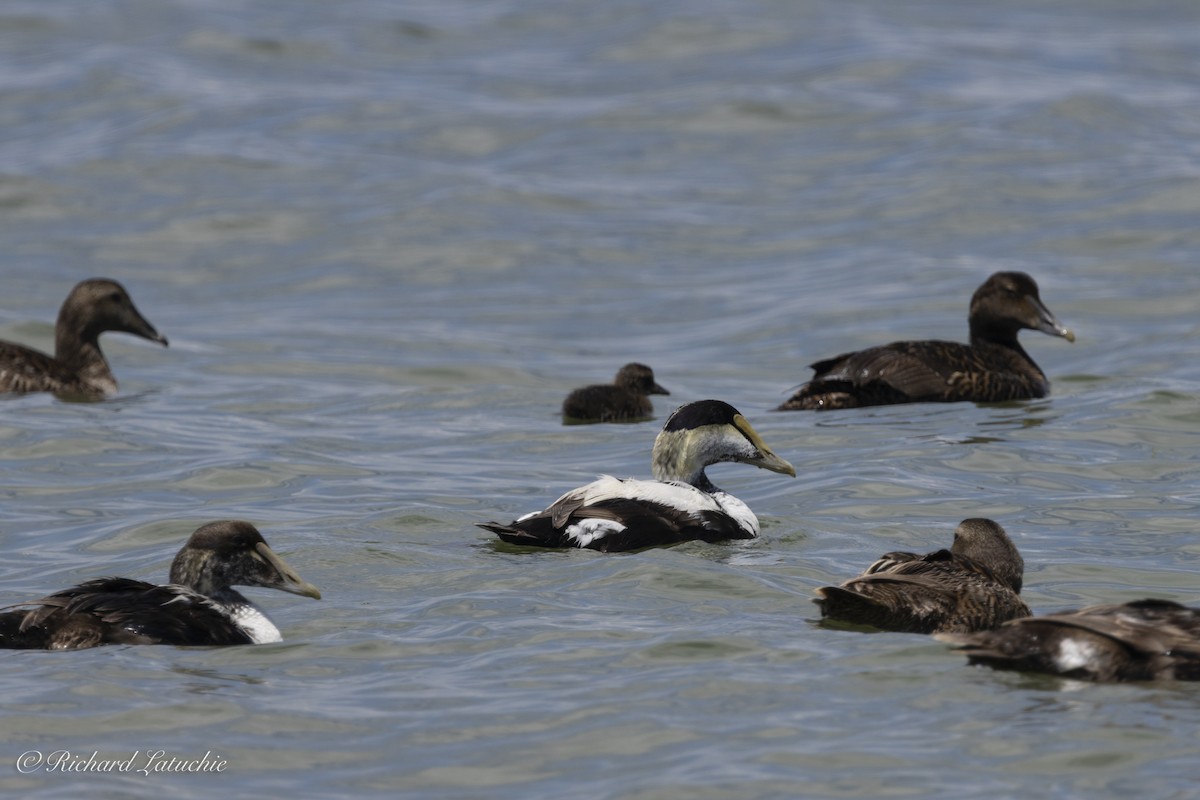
[(115, 297)]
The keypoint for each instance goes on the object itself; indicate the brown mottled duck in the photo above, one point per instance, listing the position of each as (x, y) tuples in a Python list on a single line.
[(992, 368)]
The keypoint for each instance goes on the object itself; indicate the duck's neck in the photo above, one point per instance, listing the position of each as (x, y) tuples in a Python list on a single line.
[(1003, 340), (226, 596), (80, 356), (700, 481), (672, 465)]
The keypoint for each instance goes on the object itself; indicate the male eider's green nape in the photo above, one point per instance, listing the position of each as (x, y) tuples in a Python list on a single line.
[(709, 432)]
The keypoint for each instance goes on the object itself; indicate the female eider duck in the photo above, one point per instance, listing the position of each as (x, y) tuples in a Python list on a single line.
[(973, 586), (77, 368), (1144, 640), (626, 399), (992, 368), (198, 607), (679, 505)]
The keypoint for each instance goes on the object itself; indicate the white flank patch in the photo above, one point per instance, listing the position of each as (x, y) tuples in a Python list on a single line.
[(1073, 654), (738, 510), (587, 531)]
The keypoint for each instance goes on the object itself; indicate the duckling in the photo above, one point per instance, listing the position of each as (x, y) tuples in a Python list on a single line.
[(973, 586), (1144, 640), (992, 368), (78, 368), (626, 399), (680, 504), (198, 606)]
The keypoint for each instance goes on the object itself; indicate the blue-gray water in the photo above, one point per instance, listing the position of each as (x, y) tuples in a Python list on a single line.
[(385, 239)]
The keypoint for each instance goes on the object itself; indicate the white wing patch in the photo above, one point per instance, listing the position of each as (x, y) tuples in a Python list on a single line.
[(587, 531), (1074, 653)]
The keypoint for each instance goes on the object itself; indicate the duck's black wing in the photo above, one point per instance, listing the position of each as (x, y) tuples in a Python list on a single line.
[(120, 611)]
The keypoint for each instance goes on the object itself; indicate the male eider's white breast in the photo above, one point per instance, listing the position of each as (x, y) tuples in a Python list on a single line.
[(255, 623)]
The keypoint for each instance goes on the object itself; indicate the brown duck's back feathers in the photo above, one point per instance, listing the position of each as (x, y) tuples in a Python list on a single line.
[(946, 590), (606, 403), (624, 400), (992, 368), (1142, 640), (23, 370)]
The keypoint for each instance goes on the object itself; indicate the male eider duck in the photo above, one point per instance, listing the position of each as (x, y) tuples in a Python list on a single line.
[(1144, 640), (78, 368), (626, 399), (992, 368), (198, 607), (679, 505), (972, 586)]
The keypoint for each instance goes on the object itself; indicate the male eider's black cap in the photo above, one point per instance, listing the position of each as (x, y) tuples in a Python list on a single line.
[(701, 413)]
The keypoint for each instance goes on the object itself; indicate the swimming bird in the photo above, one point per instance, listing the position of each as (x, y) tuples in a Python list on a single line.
[(972, 586), (78, 368), (624, 400), (1144, 640), (679, 505), (198, 607), (993, 367)]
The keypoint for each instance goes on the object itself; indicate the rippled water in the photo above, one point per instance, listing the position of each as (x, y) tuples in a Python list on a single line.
[(386, 239)]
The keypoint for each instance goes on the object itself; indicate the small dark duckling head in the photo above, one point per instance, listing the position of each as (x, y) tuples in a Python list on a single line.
[(985, 542), (1008, 302), (233, 553), (639, 379), (709, 432), (98, 305)]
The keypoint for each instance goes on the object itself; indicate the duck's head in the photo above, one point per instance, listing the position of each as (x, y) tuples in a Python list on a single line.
[(709, 432), (1008, 302), (234, 553), (985, 542), (639, 379), (98, 305)]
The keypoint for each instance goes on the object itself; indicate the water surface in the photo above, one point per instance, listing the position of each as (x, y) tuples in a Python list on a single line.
[(385, 240)]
